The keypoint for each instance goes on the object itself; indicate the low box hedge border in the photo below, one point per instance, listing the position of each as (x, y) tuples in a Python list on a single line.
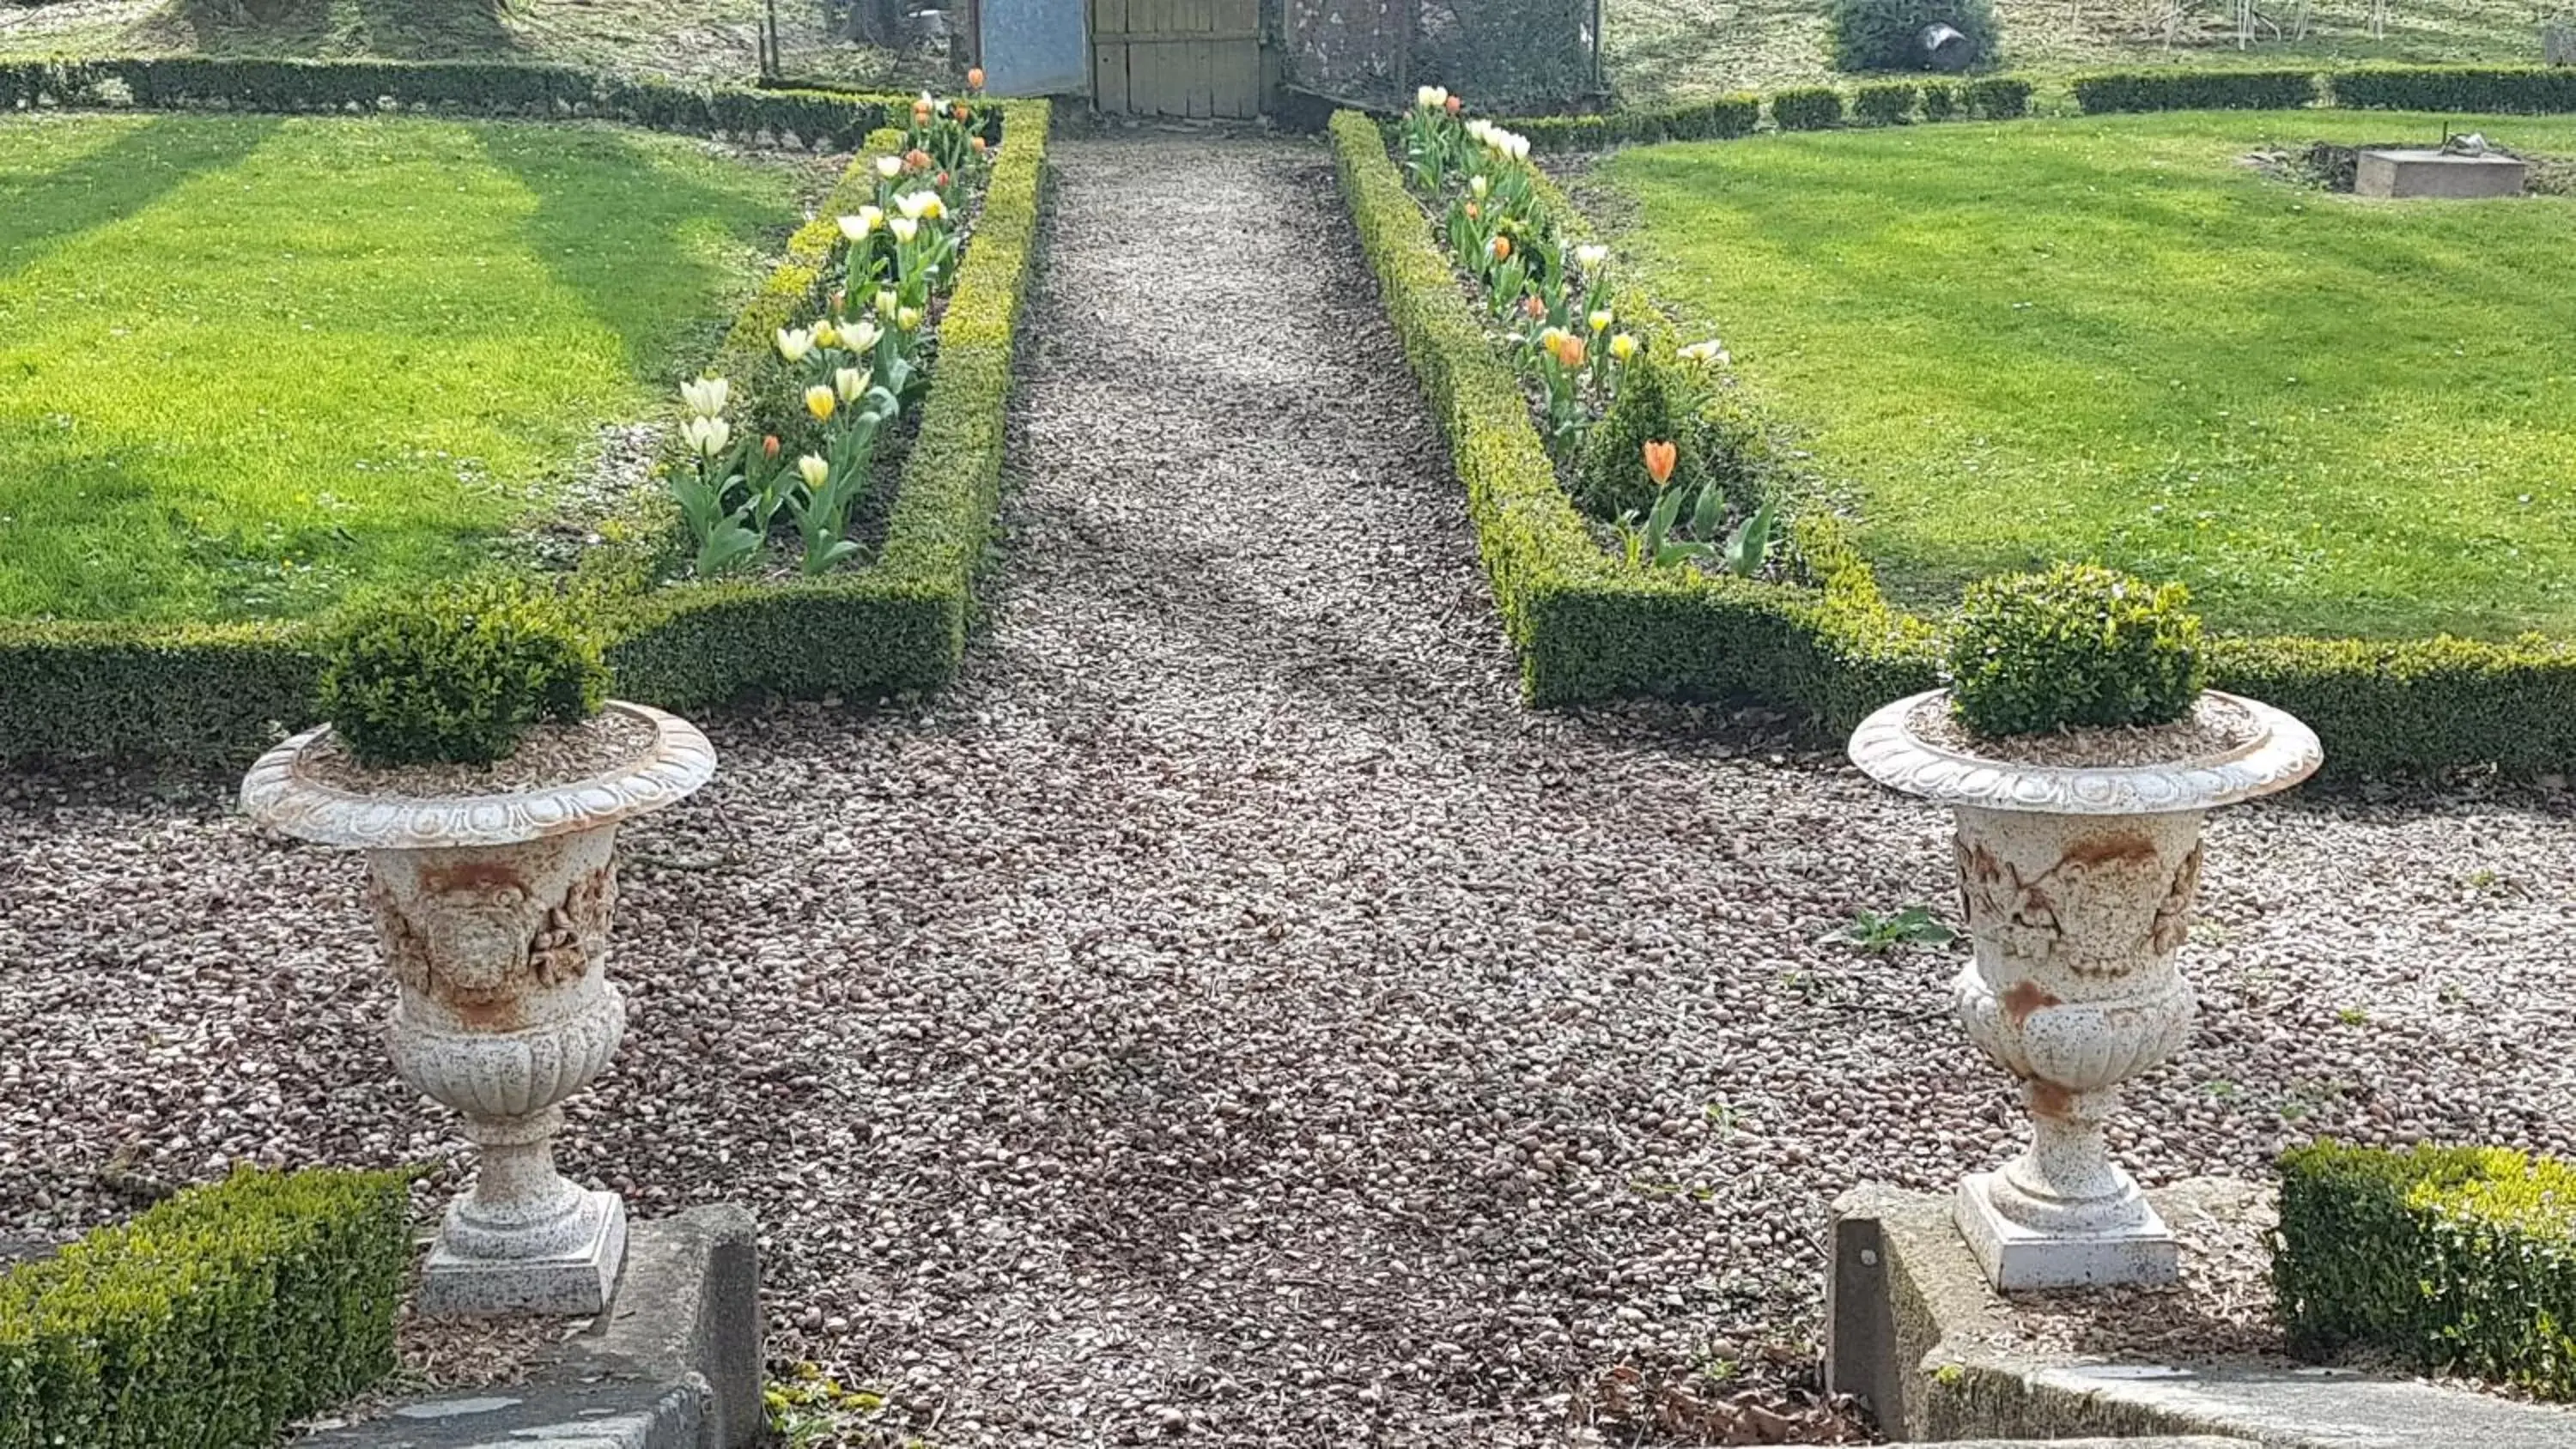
[(212, 695), (216, 1318), (2111, 91), (815, 118), (2455, 1259), (2475, 90), (1588, 626)]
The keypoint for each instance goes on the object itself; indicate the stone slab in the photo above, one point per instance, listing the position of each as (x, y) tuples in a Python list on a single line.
[(2017, 1259), (574, 1285), (2435, 174), (1910, 1319), (673, 1363)]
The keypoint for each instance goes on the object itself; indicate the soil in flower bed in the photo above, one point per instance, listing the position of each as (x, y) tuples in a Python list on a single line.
[(2215, 726)]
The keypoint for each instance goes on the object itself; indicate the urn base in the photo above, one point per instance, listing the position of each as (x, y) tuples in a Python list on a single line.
[(575, 1278), (2140, 1249)]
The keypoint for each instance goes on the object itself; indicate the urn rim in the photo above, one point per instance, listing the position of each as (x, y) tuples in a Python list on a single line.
[(280, 794), (2283, 752)]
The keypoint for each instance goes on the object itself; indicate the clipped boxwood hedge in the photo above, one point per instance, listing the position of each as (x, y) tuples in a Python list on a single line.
[(1807, 108), (473, 87), (2481, 90), (1588, 627), (2194, 90), (213, 1320), (2456, 1259), (1721, 119), (214, 694)]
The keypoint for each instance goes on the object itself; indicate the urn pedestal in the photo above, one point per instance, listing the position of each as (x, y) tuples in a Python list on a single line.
[(2076, 885), (493, 912)]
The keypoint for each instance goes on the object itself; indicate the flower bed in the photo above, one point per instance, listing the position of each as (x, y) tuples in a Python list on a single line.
[(1590, 624), (214, 693)]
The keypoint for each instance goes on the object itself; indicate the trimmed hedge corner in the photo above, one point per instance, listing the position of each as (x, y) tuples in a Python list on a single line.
[(2457, 1259), (1587, 626), (214, 1319), (2195, 90), (214, 694)]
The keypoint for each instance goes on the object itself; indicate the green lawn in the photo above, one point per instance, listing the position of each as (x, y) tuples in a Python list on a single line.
[(1659, 50), (247, 362), (2108, 338)]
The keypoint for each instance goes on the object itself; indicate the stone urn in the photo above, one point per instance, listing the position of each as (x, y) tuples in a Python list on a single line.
[(493, 911), (2078, 859)]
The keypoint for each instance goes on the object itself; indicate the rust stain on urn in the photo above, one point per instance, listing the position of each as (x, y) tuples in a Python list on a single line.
[(2118, 847), (2047, 1099), (2025, 998), (488, 1012), (473, 875)]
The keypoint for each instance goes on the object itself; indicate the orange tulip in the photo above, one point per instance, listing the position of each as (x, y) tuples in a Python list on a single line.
[(1456, 105), (921, 109), (1474, 211), (1571, 351), (917, 159), (1533, 308), (958, 110), (769, 446), (975, 78), (977, 142), (1502, 249), (1660, 458)]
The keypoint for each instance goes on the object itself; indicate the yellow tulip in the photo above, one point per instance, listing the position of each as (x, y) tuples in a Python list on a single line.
[(1623, 346), (1601, 320), (819, 402), (908, 318), (825, 335)]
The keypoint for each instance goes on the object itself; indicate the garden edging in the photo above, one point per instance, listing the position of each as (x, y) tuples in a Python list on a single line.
[(216, 693), (1589, 627)]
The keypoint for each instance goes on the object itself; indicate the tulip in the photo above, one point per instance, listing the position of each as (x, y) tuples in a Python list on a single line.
[(1430, 98), (1474, 211), (825, 334), (904, 229), (922, 108), (908, 319), (814, 470), (1623, 346), (840, 302), (819, 401), (706, 436), (1502, 249), (707, 396), (769, 447), (916, 159), (1704, 353), (958, 110), (1571, 351), (885, 301), (940, 181), (1453, 105), (974, 78), (793, 343), (1532, 307), (861, 337), (889, 167), (856, 227), (977, 142), (1480, 186), (1600, 321), (1551, 339), (920, 205), (1660, 458), (849, 382), (1591, 255)]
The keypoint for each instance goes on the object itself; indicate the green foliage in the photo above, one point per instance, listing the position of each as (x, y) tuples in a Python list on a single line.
[(1944, 100), (1884, 103), (1807, 108), (457, 673), (1996, 97), (2458, 90), (1885, 931), (2458, 1259), (214, 1319), (1887, 34), (1610, 479), (2078, 645), (486, 88), (2194, 90), (1717, 119)]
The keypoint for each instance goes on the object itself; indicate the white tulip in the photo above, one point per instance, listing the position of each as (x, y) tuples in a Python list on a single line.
[(707, 396), (814, 470), (706, 436), (849, 382), (904, 229), (794, 343), (889, 167), (1591, 255)]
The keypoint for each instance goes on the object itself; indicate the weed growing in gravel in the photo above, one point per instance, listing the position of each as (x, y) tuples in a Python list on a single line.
[(1912, 926)]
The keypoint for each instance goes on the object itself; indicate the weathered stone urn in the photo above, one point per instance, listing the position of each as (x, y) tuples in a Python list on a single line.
[(2076, 884), (493, 912)]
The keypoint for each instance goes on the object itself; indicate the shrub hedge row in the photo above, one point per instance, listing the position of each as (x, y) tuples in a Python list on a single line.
[(2481, 90), (1588, 626), (1807, 108), (214, 1319), (2457, 1259), (470, 87), (1992, 98), (1721, 119), (212, 694), (2194, 90)]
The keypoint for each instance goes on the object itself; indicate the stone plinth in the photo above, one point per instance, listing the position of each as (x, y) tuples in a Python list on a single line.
[(2401, 174)]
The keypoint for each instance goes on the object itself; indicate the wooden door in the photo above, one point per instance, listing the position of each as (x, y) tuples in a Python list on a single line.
[(1177, 57)]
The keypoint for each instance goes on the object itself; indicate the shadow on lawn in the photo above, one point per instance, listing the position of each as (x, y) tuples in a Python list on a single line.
[(626, 235), (118, 180)]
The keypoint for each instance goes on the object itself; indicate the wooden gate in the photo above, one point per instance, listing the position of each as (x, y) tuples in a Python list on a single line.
[(1177, 57)]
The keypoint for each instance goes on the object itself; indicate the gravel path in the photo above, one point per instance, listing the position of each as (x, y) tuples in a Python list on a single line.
[(1227, 1014)]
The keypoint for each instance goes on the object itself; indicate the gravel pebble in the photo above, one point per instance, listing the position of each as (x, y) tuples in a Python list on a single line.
[(1228, 1015)]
